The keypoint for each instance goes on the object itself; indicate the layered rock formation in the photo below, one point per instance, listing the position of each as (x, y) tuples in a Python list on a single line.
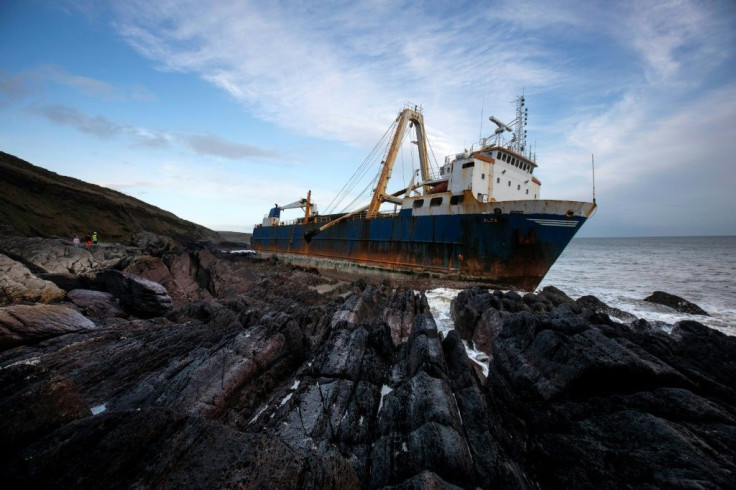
[(255, 375)]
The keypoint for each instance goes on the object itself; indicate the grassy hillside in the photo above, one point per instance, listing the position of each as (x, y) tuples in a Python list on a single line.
[(235, 236), (37, 202)]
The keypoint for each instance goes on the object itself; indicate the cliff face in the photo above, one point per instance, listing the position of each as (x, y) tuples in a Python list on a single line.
[(37, 202)]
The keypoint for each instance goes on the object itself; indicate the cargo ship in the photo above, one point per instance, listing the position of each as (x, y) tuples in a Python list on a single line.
[(476, 217)]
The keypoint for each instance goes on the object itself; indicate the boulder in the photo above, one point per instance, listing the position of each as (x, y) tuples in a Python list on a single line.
[(593, 303), (679, 304), (137, 296), (18, 283), (554, 296), (95, 304), (20, 324)]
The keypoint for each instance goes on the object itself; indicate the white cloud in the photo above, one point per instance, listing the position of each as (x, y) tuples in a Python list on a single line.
[(675, 37), (211, 144), (647, 87), (340, 73)]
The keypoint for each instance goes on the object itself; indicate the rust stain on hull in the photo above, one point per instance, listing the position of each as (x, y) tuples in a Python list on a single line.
[(514, 249)]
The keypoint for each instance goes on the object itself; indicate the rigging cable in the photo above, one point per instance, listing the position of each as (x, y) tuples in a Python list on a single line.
[(359, 173)]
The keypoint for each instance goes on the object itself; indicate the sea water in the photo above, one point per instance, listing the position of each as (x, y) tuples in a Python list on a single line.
[(621, 272)]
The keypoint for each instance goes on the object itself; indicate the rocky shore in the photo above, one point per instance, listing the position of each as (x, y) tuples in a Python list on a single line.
[(151, 364)]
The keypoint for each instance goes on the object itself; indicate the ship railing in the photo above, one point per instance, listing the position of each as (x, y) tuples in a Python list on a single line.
[(326, 219)]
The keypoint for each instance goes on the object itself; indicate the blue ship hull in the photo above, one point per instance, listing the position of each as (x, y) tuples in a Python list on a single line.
[(512, 249)]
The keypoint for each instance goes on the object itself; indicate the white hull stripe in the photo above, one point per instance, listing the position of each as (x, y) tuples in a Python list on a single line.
[(555, 222)]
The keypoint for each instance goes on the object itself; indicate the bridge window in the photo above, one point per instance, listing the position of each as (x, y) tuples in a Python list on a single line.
[(418, 203), (436, 201), (454, 200)]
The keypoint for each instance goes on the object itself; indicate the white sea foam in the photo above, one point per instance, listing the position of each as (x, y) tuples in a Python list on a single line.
[(439, 301), (621, 272)]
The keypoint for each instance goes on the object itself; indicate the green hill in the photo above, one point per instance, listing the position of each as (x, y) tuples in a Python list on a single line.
[(37, 202)]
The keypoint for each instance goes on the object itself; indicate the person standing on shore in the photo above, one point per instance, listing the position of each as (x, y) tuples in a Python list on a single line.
[(76, 241), (94, 238), (87, 241)]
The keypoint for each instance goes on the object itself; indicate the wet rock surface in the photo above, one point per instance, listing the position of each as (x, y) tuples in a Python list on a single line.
[(255, 375), (675, 302)]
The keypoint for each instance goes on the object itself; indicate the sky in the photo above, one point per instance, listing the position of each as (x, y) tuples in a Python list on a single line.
[(216, 110)]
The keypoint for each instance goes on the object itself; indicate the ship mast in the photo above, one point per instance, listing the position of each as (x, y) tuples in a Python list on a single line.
[(518, 142), (407, 116)]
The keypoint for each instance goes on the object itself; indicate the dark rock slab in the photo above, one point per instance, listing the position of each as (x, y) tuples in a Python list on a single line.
[(20, 324), (34, 404), (95, 304), (679, 304), (160, 448), (615, 406), (593, 303), (152, 243), (137, 296)]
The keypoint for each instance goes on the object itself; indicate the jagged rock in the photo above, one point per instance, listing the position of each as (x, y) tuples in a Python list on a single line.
[(477, 315), (138, 296), (194, 276), (160, 448), (95, 304), (614, 403), (426, 480), (179, 277), (21, 324), (399, 315), (61, 256), (33, 404), (67, 281), (152, 244), (17, 284), (49, 255), (553, 296), (277, 384), (593, 303), (679, 304)]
